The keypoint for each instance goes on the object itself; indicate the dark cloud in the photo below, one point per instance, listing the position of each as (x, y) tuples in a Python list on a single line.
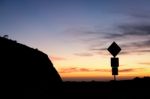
[(113, 35), (124, 53), (135, 52), (144, 44), (132, 36), (135, 29), (129, 70), (137, 35), (83, 54), (98, 49), (128, 48), (130, 29), (140, 15), (137, 45)]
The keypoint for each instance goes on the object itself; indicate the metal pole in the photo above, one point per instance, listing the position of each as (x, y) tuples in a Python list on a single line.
[(114, 77)]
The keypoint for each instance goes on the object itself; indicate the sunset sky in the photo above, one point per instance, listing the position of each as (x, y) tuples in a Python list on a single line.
[(75, 34)]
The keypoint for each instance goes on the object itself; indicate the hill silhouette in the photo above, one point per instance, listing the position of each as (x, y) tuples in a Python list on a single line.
[(27, 70)]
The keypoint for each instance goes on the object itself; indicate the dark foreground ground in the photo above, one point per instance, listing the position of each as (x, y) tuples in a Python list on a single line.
[(127, 89), (138, 88)]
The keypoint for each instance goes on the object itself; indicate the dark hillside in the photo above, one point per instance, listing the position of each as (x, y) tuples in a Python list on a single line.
[(26, 69)]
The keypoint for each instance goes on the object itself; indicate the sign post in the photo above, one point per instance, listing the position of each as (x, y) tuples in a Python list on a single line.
[(114, 49)]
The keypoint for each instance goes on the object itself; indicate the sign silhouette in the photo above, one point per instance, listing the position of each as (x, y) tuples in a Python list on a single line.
[(114, 65), (114, 49), (114, 72), (114, 62)]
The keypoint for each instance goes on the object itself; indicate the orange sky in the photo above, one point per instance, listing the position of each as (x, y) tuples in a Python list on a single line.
[(98, 67)]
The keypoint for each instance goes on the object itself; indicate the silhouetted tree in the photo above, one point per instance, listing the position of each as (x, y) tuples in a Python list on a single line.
[(5, 36)]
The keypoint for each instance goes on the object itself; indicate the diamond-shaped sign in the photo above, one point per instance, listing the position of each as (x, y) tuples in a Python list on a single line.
[(114, 49)]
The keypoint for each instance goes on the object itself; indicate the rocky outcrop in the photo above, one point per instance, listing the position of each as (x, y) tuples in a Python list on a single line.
[(28, 70)]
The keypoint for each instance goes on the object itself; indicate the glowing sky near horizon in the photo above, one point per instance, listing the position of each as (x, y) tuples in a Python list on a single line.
[(76, 33)]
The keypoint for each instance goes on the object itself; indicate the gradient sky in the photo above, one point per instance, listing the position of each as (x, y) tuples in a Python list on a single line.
[(76, 33)]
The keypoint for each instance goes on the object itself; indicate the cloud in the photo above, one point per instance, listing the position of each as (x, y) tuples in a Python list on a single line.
[(130, 30), (69, 70), (132, 35), (145, 51), (144, 15), (98, 49), (129, 70), (77, 69), (137, 29), (57, 58), (141, 44), (83, 54), (145, 63), (133, 38), (136, 47)]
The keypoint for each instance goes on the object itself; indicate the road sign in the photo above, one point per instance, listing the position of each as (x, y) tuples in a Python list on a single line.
[(114, 62), (114, 71), (114, 49)]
